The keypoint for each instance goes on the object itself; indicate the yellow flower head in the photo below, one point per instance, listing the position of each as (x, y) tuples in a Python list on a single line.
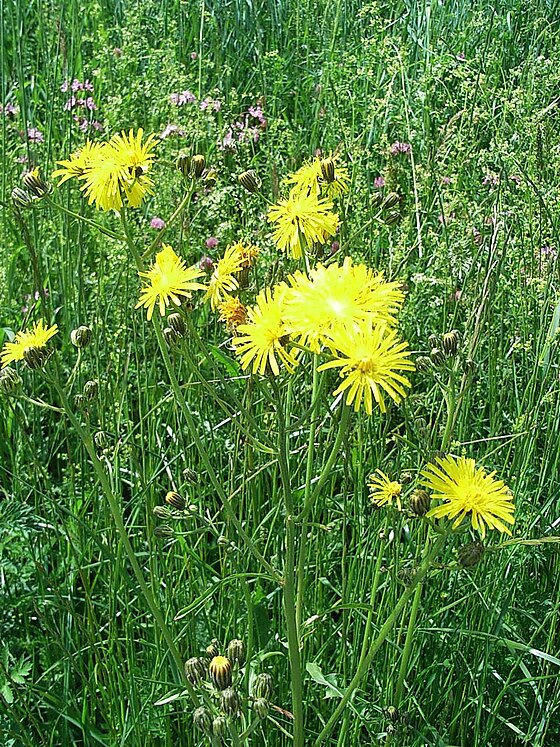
[(466, 489), (169, 278), (78, 162), (382, 490), (311, 179), (264, 338), (37, 337), (338, 296), (232, 312), (248, 253), (302, 220), (373, 356), (223, 281)]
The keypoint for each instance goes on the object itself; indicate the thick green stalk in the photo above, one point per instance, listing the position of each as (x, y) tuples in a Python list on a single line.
[(380, 639)]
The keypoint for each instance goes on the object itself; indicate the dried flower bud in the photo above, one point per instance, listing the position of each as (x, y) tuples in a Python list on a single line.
[(392, 217), (10, 380), (450, 342), (91, 388), (424, 364), (230, 702), (183, 164), (198, 164), (470, 555), (219, 726), (203, 720), (236, 652), (437, 357), (420, 501), (214, 648), (81, 337), (164, 532), (250, 180), (220, 672), (35, 357), (327, 170), (390, 201), (261, 707), (21, 198), (162, 512), (195, 670), (35, 183), (176, 322), (263, 686), (175, 500)]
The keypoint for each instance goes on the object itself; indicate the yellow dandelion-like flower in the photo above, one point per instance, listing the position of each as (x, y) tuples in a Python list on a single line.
[(373, 357), (117, 171), (302, 220), (223, 281), (232, 312), (383, 491), (169, 278), (467, 489), (314, 177), (248, 253), (338, 296), (263, 338), (37, 337), (78, 162)]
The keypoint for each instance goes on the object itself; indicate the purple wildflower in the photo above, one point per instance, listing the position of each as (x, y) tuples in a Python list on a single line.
[(490, 179), (172, 129), (446, 180), (398, 147), (90, 104), (9, 110), (206, 263), (157, 223), (379, 182), (194, 55), (211, 242), (34, 135)]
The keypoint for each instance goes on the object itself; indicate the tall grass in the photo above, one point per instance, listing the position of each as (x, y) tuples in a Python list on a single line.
[(473, 88)]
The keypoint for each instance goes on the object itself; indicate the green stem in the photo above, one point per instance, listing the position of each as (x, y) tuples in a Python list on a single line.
[(289, 589), (182, 206), (380, 639), (92, 223), (407, 650)]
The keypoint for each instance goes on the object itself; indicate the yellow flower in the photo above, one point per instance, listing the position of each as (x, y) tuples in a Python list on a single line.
[(232, 312), (78, 162), (223, 281), (302, 220), (466, 489), (382, 490), (310, 179), (264, 336), (373, 357), (34, 338), (133, 159), (338, 296), (169, 279)]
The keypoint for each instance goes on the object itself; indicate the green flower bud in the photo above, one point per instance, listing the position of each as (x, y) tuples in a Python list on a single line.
[(81, 337), (10, 380), (420, 501), (198, 164), (175, 500), (203, 720), (195, 670), (230, 702), (263, 686), (250, 180), (236, 652), (261, 707), (90, 389), (470, 555)]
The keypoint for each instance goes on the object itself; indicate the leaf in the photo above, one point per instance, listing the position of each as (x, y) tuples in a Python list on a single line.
[(329, 680), (7, 693)]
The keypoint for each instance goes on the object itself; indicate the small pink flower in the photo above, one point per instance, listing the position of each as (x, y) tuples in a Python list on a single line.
[(34, 135), (211, 242), (157, 223), (90, 104), (194, 55), (398, 147), (206, 263), (446, 180), (379, 182), (117, 51)]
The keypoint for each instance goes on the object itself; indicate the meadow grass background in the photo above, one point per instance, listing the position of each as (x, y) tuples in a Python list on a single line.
[(473, 87)]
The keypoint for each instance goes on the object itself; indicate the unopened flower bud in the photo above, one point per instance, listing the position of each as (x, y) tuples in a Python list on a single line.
[(191, 476), (79, 401), (250, 180), (195, 670), (236, 652), (434, 341), (376, 200), (35, 184), (390, 201), (261, 707), (263, 686), (176, 322), (21, 198), (90, 389), (392, 713), (450, 342), (198, 164), (175, 500), (220, 672), (437, 357), (81, 337), (164, 532), (101, 439), (203, 720), (183, 164), (219, 726), (10, 380), (469, 366), (327, 170), (470, 555), (35, 357), (210, 177), (424, 364), (163, 512), (170, 336), (420, 501), (213, 649), (392, 217), (230, 702)]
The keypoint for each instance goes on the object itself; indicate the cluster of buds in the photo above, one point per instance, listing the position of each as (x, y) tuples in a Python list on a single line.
[(442, 348), (35, 188), (389, 207), (192, 166), (175, 508), (175, 329)]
